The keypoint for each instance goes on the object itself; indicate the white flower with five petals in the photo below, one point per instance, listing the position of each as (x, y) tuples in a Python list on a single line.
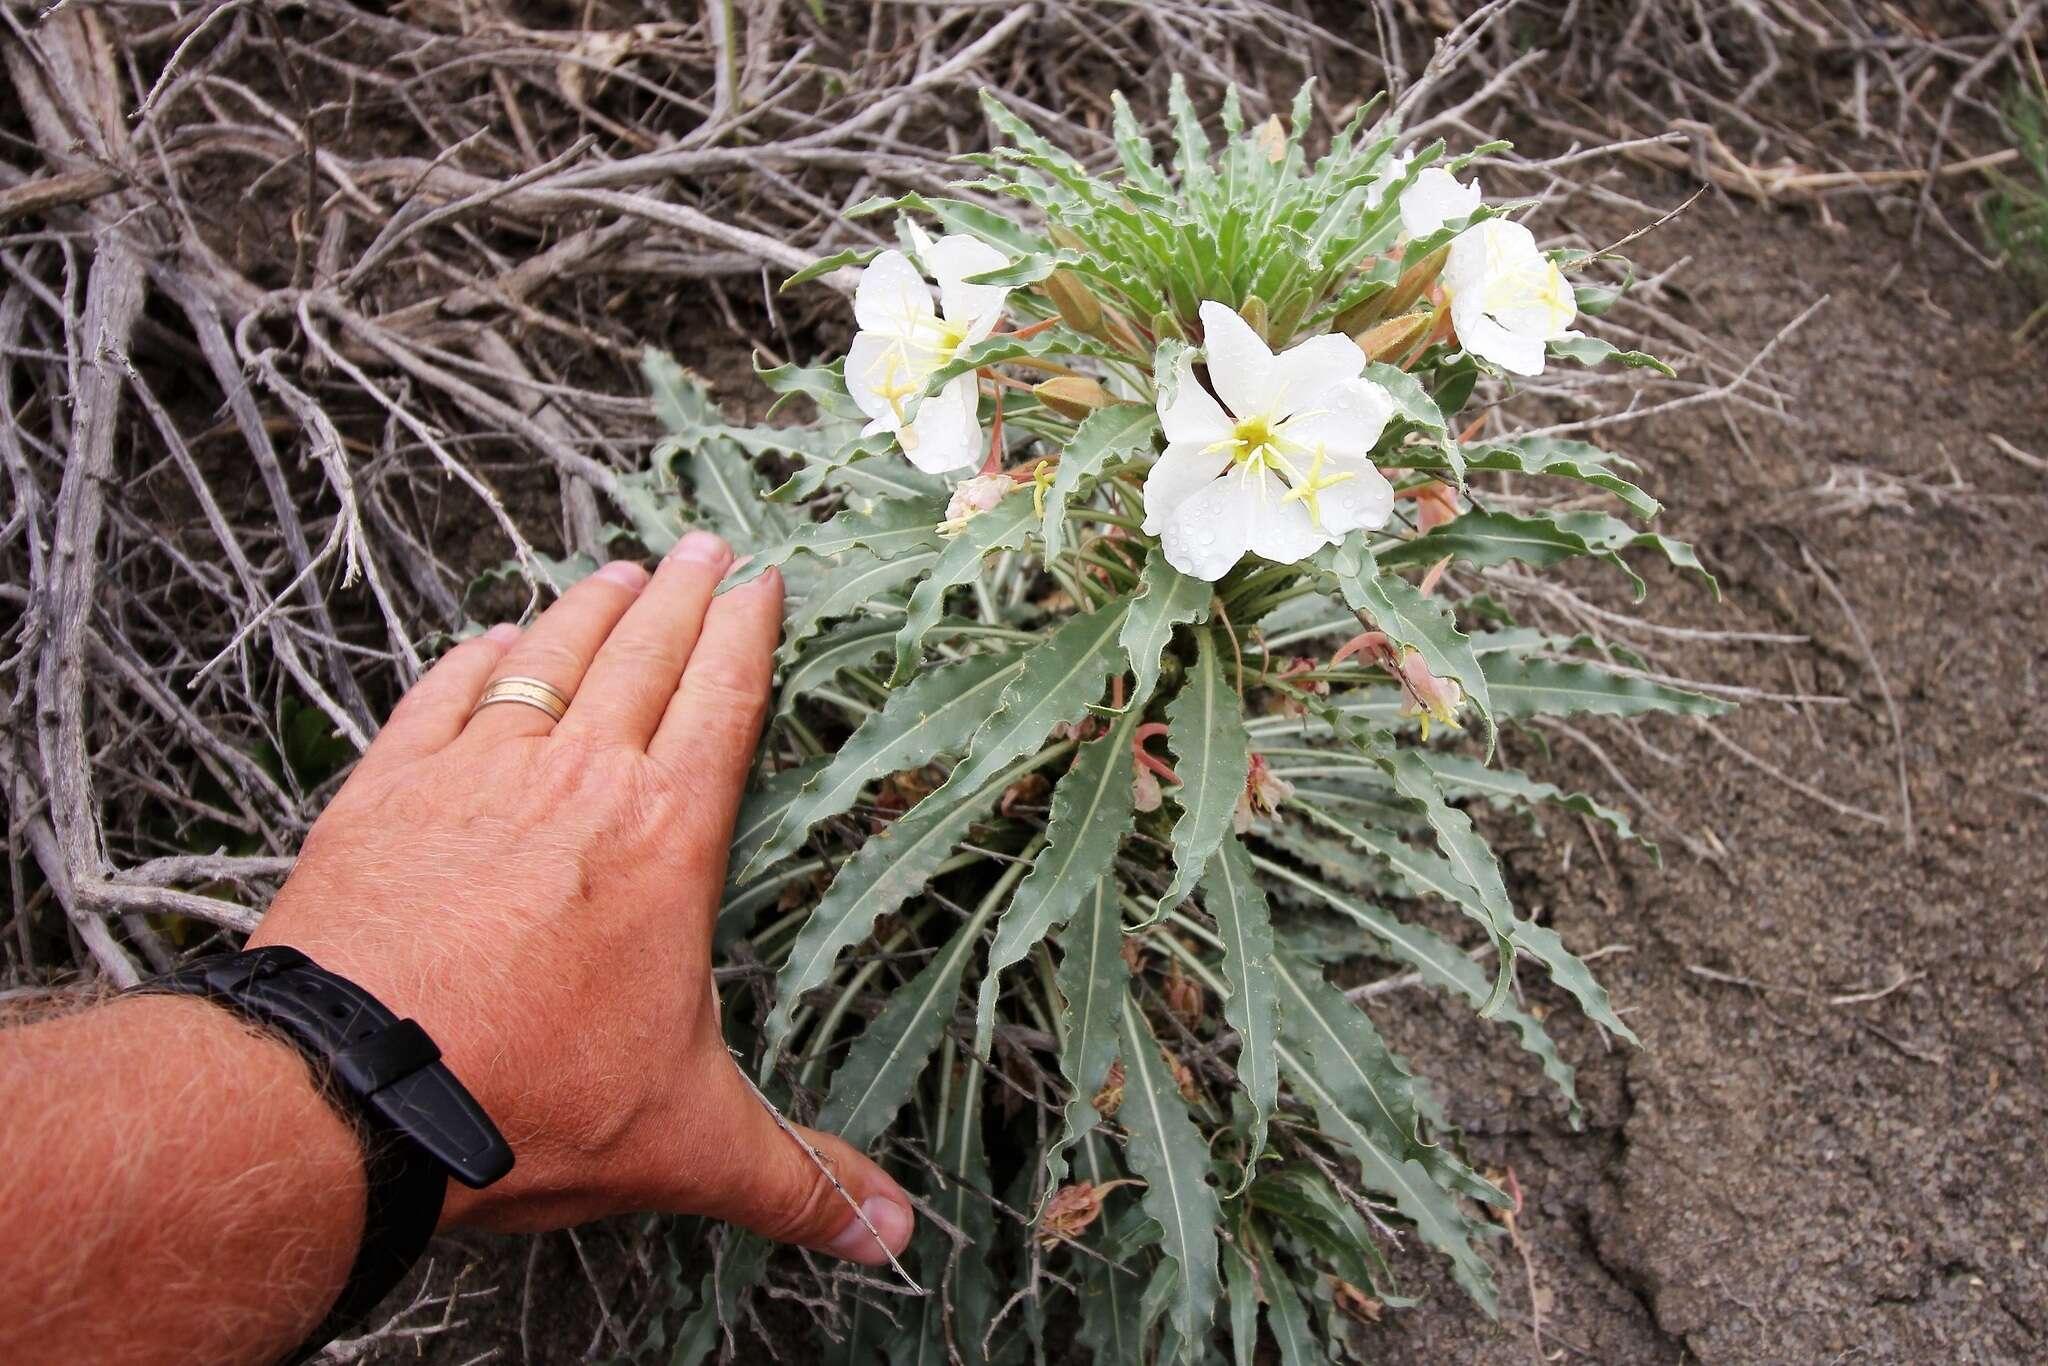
[(1507, 298), (1282, 467), (903, 339)]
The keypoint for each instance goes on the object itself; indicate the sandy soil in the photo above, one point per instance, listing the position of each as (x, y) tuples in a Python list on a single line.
[(1780, 1175)]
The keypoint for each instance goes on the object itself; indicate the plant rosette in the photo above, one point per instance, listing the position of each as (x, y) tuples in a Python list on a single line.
[(1134, 681)]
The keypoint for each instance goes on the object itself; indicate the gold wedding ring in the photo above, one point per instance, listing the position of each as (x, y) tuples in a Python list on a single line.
[(532, 692)]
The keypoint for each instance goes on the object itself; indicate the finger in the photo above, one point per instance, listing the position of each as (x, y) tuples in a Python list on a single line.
[(558, 648), (790, 1192), (710, 726), (432, 712), (630, 683)]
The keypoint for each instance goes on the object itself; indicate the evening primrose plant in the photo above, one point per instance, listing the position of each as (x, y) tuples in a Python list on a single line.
[(1135, 694)]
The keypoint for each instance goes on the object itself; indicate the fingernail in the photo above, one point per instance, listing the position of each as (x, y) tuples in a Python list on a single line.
[(504, 633), (768, 580), (625, 574), (856, 1244), (702, 547)]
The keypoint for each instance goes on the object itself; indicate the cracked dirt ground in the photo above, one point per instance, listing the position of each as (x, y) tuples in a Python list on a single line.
[(1778, 1176)]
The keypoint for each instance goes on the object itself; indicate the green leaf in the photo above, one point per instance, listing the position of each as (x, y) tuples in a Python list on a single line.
[(1483, 539), (1212, 755), (1592, 351), (1232, 896), (855, 582), (1303, 1202), (1168, 1152), (1440, 876), (824, 385), (1166, 598), (1364, 1077), (1549, 455), (1432, 1209), (762, 810), (1412, 621), (1241, 1280), (825, 265), (1544, 687), (1092, 979), (952, 1319), (1107, 434), (727, 490), (1287, 1317), (1413, 405), (1462, 776), (1002, 527), (1112, 1317), (1091, 810), (935, 714), (889, 869), (886, 1060), (886, 531), (1442, 964), (1063, 675), (849, 645)]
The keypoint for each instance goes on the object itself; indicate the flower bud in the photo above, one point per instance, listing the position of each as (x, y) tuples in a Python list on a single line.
[(1073, 396), (1254, 315), (1394, 338), (971, 497), (1416, 280), (1184, 996), (1078, 307)]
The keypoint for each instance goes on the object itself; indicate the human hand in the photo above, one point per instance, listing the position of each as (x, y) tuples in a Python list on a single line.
[(540, 895)]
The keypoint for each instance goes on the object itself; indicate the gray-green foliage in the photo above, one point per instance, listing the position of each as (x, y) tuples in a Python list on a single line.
[(1001, 931)]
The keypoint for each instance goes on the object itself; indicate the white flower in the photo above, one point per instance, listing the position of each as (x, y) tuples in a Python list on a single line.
[(1286, 471), (973, 496), (902, 340), (1507, 298), (1435, 199)]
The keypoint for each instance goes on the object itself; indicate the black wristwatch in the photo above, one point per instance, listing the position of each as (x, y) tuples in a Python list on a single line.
[(418, 1125)]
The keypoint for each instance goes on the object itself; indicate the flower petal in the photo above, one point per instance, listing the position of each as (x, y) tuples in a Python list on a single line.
[(876, 362), (1303, 373), (1346, 420), (1435, 199), (1209, 531), (1488, 340), (946, 433), (1240, 365), (1366, 500), (1175, 476), (1193, 416), (1539, 304), (1282, 529), (892, 298), (951, 260)]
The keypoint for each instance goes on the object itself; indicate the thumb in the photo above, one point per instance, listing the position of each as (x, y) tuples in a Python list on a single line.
[(803, 1187)]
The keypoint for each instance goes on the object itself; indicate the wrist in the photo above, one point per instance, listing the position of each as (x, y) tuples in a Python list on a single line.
[(168, 1123)]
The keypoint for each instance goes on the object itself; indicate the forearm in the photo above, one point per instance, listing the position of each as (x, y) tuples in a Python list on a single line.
[(173, 1188)]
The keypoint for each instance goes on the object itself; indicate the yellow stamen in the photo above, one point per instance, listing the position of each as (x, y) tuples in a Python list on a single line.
[(892, 392), (1041, 480), (1310, 490)]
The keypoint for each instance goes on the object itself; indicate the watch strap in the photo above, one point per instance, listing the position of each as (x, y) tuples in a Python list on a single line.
[(418, 1125)]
